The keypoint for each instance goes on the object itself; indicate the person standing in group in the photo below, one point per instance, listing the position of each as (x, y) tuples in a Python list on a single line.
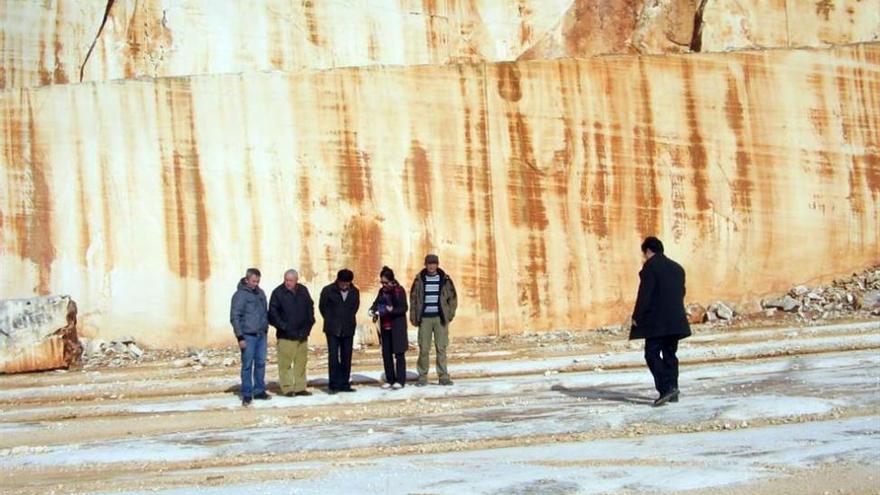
[(338, 304), (433, 302), (660, 318), (248, 316), (389, 309), (292, 313)]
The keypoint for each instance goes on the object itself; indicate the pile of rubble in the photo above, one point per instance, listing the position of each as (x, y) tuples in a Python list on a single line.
[(198, 359), (125, 351), (716, 312), (858, 295), (118, 352)]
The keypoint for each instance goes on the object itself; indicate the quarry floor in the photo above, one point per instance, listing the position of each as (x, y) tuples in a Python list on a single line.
[(765, 409)]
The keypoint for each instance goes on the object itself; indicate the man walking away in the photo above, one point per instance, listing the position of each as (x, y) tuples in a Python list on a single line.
[(659, 317), (433, 302), (292, 313), (247, 314), (339, 303)]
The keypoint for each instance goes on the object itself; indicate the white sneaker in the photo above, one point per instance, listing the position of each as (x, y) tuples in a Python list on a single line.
[(397, 386), (386, 386)]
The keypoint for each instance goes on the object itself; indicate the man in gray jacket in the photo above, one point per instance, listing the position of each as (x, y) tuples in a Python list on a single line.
[(248, 315)]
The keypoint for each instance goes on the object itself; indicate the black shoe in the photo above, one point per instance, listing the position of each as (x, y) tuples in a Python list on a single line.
[(668, 396), (674, 399), (246, 401), (422, 382), (263, 396), (446, 382), (303, 393), (346, 389), (331, 391)]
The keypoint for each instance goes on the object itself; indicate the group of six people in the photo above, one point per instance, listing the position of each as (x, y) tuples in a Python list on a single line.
[(659, 317)]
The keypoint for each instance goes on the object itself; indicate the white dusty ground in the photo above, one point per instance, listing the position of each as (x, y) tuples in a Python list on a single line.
[(762, 411)]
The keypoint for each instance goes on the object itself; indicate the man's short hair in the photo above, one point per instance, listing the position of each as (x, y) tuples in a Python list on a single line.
[(653, 244), (251, 272), (291, 272), (345, 275)]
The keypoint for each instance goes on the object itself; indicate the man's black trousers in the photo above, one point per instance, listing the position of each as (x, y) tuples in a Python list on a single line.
[(339, 365), (661, 359)]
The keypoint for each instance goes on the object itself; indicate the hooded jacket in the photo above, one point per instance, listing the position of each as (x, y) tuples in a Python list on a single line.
[(247, 312)]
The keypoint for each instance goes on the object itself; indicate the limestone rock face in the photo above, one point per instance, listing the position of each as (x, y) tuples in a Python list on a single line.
[(38, 334), (45, 42), (745, 24), (56, 42), (533, 181)]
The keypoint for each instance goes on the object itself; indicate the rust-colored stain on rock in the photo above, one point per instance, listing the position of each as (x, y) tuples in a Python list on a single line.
[(186, 221), (742, 185), (647, 195), (418, 172), (509, 82), (698, 157), (33, 207)]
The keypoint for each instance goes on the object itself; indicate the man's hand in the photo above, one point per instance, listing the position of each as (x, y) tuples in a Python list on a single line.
[(242, 344), (389, 308)]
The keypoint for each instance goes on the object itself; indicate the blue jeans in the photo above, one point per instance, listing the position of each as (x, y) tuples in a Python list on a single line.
[(253, 365)]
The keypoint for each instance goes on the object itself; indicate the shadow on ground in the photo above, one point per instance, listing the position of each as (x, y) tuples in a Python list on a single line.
[(604, 394), (356, 379)]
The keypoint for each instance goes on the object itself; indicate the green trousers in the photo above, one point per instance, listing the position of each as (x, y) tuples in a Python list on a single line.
[(292, 358), (428, 328)]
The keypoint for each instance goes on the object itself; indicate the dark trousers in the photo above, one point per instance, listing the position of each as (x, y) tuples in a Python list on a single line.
[(660, 356), (339, 365), (395, 363)]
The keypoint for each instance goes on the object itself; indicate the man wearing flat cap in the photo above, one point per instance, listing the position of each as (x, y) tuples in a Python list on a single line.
[(433, 302)]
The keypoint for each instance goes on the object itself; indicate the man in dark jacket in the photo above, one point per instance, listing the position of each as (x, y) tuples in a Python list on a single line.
[(339, 303), (659, 317), (247, 314), (292, 313), (433, 302)]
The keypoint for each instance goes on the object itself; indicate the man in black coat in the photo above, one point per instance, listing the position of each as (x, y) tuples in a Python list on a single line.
[(659, 317), (292, 313), (339, 303)]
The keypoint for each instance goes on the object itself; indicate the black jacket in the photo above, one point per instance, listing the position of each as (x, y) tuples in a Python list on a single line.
[(340, 317), (399, 341), (292, 313), (247, 312), (659, 310)]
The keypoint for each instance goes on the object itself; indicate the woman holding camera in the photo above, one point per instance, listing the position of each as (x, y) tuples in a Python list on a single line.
[(389, 310)]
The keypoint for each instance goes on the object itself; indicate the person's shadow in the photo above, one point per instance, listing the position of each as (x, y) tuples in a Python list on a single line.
[(316, 383), (602, 394)]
